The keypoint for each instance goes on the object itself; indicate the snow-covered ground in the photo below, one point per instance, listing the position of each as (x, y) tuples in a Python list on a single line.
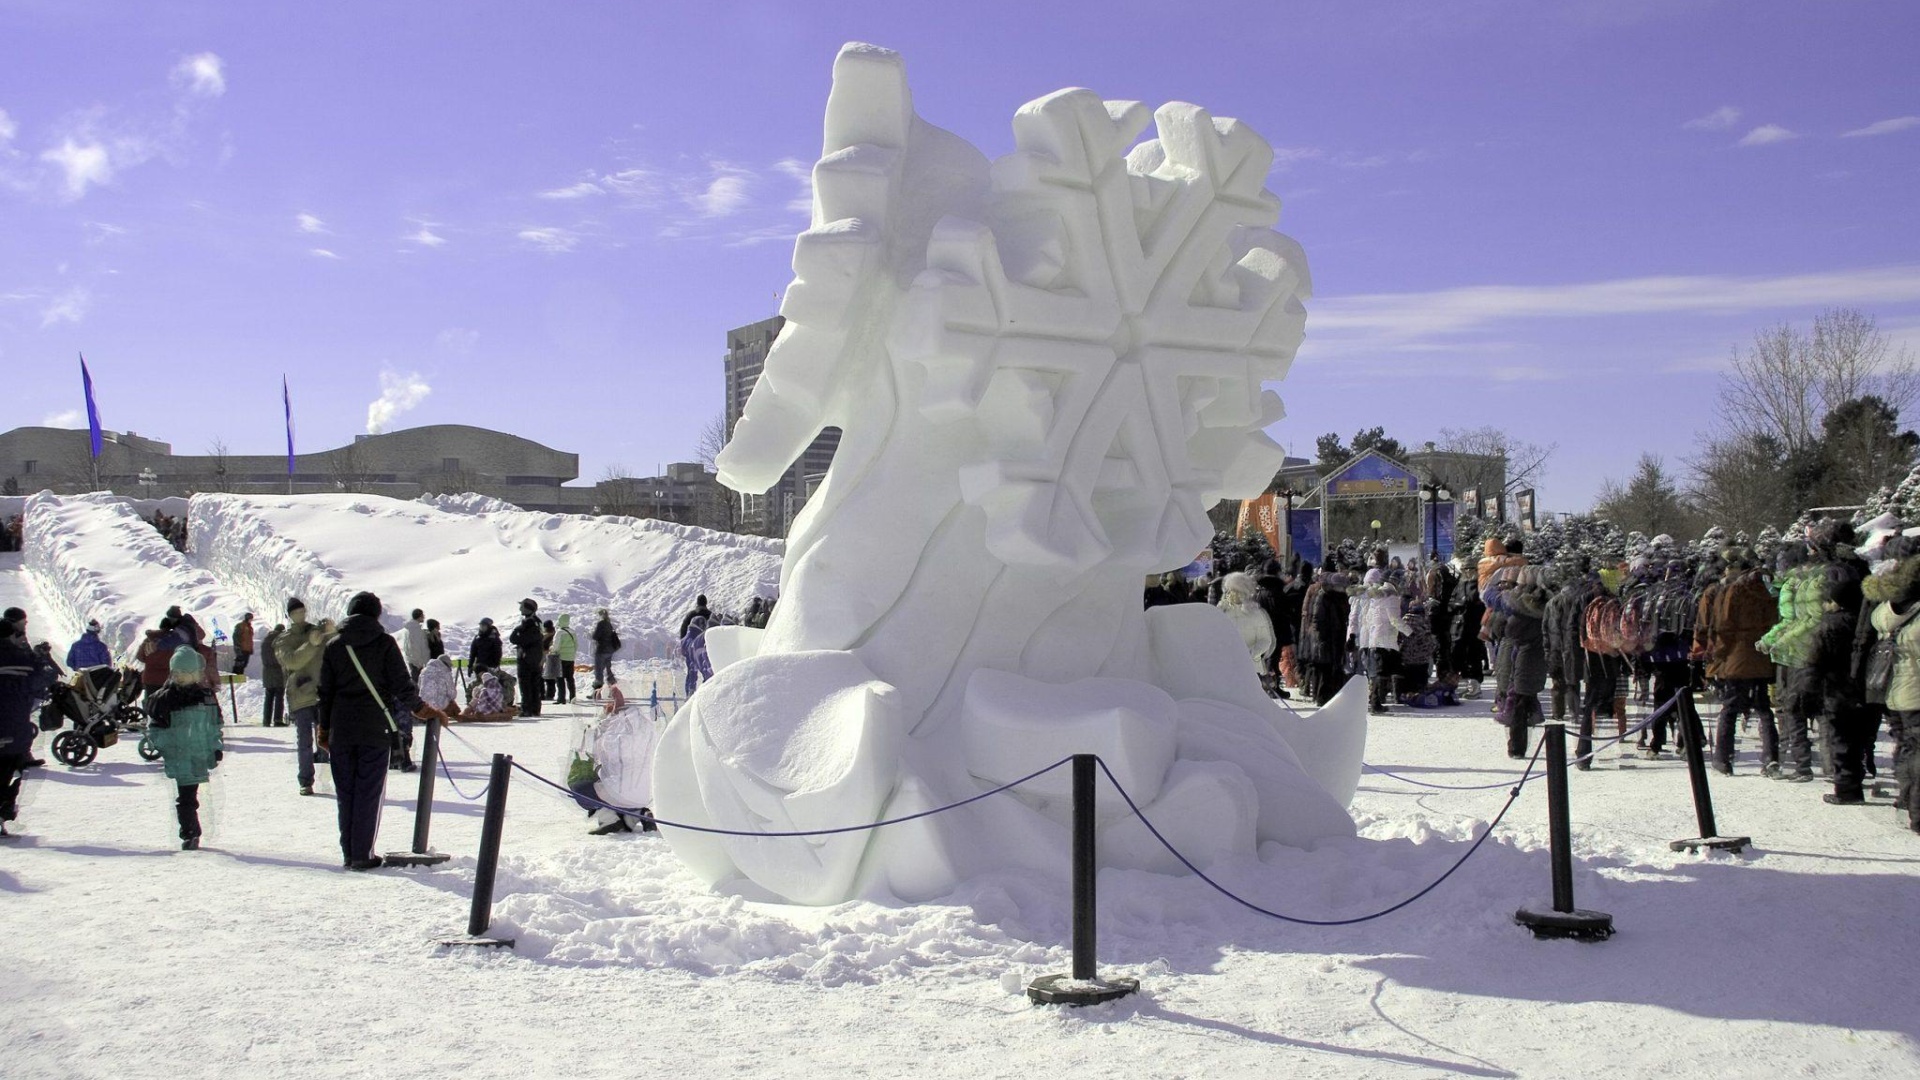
[(259, 956)]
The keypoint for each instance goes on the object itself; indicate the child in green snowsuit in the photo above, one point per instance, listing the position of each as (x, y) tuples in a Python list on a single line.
[(185, 729)]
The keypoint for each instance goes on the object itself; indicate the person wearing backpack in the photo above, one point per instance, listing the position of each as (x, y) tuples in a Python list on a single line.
[(693, 650), (1603, 672), (185, 730), (300, 651), (1895, 597), (606, 642), (1742, 610), (363, 678)]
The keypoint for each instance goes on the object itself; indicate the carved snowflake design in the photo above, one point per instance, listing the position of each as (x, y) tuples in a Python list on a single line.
[(1109, 328)]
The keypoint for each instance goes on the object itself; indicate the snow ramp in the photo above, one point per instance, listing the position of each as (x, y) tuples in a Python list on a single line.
[(460, 558)]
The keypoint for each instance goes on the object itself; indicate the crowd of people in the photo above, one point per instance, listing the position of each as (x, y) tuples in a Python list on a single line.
[(11, 529), (353, 693), (1815, 646)]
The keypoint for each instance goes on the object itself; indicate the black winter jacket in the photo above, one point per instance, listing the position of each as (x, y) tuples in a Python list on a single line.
[(485, 650), (349, 715), (529, 639), (24, 677)]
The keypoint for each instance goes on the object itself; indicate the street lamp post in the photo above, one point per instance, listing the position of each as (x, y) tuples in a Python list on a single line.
[(1287, 495), (1433, 493), (147, 479)]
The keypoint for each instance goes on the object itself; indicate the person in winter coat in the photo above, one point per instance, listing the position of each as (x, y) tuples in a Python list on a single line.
[(1895, 597), (185, 729), (438, 687), (486, 651), (242, 643), (1323, 633), (300, 651), (435, 645), (565, 646), (1833, 673), (156, 648), (549, 664), (530, 652), (363, 678), (1374, 626), (1499, 561), (1417, 651), (273, 680), (413, 642), (606, 642), (1522, 666), (1742, 610), (489, 701), (1469, 652), (1240, 601), (1787, 645), (700, 611), (24, 679), (88, 650), (693, 651)]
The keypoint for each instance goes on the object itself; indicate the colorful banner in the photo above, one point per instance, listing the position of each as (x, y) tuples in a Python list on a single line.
[(1470, 499), (1370, 476), (1261, 514), (1524, 500), (1493, 508), (1440, 518), (1305, 536), (93, 414)]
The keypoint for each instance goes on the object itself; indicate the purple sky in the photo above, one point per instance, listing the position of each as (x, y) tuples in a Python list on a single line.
[(1556, 217)]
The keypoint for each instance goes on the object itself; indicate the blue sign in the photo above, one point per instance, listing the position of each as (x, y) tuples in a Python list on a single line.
[(1441, 519), (1370, 476), (1304, 537)]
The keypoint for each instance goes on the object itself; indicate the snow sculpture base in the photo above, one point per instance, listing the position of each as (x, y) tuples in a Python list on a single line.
[(1045, 368)]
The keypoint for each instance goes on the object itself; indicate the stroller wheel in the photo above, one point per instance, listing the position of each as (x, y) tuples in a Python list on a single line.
[(70, 748), (130, 716), (148, 752)]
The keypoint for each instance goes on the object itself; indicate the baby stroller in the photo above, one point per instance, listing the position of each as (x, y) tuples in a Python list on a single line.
[(100, 703)]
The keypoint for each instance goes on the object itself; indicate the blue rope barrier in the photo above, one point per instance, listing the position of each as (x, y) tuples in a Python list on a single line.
[(455, 784), (1250, 905), (634, 811)]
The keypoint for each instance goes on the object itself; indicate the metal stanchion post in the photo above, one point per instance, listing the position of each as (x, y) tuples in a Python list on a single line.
[(1709, 837), (1565, 920), (423, 806), (490, 829), (1083, 986)]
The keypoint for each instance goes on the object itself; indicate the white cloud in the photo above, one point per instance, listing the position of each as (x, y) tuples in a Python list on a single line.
[(1719, 119), (398, 393), (70, 307), (99, 232), (550, 240), (724, 195), (322, 253), (801, 173), (457, 340), (202, 75), (582, 190), (1393, 318), (8, 127), (425, 236), (307, 223), (71, 418), (84, 164), (1878, 127), (1767, 134)]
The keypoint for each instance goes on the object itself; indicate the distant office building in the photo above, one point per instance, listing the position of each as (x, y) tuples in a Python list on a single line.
[(439, 458), (770, 514)]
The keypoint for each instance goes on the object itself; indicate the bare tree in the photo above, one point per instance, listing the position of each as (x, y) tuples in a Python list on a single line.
[(1508, 464), (217, 453), (348, 468), (1769, 456), (712, 440), (616, 492)]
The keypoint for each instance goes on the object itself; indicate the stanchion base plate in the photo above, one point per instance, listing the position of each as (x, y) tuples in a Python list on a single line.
[(477, 943), (1578, 925), (414, 858), (1067, 990), (1735, 844)]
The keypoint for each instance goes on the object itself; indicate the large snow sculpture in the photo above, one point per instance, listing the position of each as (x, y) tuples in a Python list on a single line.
[(1045, 369)]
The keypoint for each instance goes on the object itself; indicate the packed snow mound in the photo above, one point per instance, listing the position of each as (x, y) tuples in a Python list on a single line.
[(461, 558), (97, 558)]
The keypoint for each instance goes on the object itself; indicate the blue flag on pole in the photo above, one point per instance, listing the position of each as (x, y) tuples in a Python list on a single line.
[(286, 400), (93, 413)]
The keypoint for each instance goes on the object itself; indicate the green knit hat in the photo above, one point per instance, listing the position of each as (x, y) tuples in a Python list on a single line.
[(185, 661)]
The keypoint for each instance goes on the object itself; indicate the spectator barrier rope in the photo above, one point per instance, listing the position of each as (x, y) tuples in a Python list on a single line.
[(1598, 745)]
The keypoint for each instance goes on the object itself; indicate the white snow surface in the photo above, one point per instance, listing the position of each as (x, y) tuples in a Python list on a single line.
[(464, 557), (260, 956)]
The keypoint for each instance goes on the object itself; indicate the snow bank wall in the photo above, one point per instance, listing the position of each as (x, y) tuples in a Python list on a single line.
[(464, 557), (95, 557)]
